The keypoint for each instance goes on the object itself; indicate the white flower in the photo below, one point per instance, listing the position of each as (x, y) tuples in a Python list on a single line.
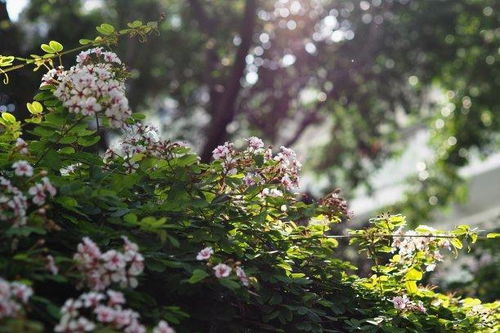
[(163, 327), (22, 168), (400, 302), (255, 143), (21, 291), (113, 260), (248, 180), (274, 193), (21, 146), (105, 314), (38, 193), (91, 299), (47, 186), (85, 325), (420, 307), (135, 327), (71, 307), (222, 270), (430, 267), (223, 152), (240, 273), (51, 265), (115, 297), (205, 254)]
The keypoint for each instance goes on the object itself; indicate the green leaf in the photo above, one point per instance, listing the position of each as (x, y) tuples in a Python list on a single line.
[(138, 116), (411, 287), (34, 108), (493, 235), (47, 48), (9, 118), (135, 24), (130, 218), (85, 41), (230, 284), (67, 150), (68, 139), (87, 141), (56, 46), (105, 29), (67, 202), (6, 61), (414, 275), (456, 243), (197, 276)]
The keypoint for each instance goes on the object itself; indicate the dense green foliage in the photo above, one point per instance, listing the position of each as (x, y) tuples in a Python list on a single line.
[(369, 70), (218, 247)]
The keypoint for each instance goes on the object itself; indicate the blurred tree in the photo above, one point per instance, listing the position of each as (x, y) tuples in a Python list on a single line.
[(365, 69)]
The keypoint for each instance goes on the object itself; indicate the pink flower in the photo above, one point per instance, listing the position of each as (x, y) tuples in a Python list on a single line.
[(22, 168), (420, 307), (114, 260), (240, 273), (248, 179), (89, 248), (255, 143), (400, 303), (223, 152), (125, 317), (205, 254), (51, 265), (105, 314), (115, 298), (71, 307), (163, 327), (129, 246), (135, 327), (91, 299), (21, 146), (21, 291), (84, 325), (38, 194), (222, 270), (47, 186)]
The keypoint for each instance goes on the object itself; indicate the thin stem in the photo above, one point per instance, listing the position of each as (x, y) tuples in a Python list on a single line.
[(389, 236)]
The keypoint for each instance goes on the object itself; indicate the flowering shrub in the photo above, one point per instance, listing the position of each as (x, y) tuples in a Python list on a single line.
[(145, 237)]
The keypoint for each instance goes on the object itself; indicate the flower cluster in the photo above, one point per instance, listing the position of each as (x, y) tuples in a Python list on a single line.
[(414, 241), (93, 86), (282, 168), (101, 269), (12, 296), (39, 191), (222, 270), (13, 203), (289, 167), (403, 303), (106, 309), (138, 138)]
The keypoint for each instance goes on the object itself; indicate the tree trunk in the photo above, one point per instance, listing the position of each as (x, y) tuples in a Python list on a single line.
[(225, 109)]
